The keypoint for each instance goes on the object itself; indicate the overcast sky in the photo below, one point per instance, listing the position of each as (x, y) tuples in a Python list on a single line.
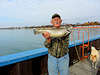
[(39, 12)]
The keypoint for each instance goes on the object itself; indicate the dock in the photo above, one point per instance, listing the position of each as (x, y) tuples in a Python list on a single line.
[(83, 68)]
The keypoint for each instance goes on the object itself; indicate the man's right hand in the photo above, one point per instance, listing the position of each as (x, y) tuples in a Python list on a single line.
[(47, 36)]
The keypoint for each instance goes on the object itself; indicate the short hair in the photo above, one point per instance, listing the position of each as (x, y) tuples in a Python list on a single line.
[(56, 15)]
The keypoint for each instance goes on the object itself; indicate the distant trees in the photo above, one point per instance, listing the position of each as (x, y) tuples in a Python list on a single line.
[(92, 23)]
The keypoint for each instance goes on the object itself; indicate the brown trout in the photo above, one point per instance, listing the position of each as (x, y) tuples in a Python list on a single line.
[(53, 31)]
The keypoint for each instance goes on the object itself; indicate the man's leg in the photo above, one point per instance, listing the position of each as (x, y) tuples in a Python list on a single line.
[(64, 65), (52, 65)]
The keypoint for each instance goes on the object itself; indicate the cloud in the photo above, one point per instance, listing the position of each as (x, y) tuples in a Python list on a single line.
[(39, 12)]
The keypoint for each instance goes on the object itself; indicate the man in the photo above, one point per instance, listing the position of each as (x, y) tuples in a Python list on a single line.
[(58, 57)]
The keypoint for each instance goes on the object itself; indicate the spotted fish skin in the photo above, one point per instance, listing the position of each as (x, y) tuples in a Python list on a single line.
[(54, 32)]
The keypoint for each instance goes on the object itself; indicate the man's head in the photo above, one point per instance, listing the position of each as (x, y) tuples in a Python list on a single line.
[(56, 20)]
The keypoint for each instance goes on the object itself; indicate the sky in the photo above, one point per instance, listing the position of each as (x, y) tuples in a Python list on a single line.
[(39, 12)]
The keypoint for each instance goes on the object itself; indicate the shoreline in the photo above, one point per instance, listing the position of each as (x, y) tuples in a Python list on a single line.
[(30, 27)]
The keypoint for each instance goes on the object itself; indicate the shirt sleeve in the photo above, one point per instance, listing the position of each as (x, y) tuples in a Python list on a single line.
[(66, 40), (47, 45), (67, 35)]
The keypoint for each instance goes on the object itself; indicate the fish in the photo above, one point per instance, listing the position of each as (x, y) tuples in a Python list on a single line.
[(53, 31)]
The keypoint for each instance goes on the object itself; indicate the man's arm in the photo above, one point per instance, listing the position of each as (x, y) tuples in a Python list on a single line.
[(47, 43), (66, 40), (69, 28), (67, 35)]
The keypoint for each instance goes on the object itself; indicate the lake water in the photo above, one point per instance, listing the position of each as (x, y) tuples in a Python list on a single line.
[(18, 40)]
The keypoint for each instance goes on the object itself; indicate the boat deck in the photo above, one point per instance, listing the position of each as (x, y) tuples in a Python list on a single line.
[(83, 68)]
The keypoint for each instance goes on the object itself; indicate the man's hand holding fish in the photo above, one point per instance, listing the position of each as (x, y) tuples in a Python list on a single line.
[(47, 36)]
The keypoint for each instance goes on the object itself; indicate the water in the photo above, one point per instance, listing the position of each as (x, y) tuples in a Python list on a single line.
[(18, 40), (12, 41)]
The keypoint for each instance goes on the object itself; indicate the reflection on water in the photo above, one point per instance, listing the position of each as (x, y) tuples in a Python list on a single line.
[(12, 41)]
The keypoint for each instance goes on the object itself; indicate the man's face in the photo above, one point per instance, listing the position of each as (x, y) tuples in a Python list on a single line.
[(56, 22)]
